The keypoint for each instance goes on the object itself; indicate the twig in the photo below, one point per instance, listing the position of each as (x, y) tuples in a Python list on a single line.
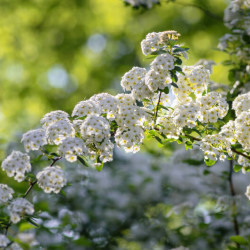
[(32, 184), (207, 12), (240, 153), (157, 108)]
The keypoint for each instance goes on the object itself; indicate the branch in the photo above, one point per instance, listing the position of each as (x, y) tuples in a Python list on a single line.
[(240, 153), (157, 108), (207, 12), (32, 184)]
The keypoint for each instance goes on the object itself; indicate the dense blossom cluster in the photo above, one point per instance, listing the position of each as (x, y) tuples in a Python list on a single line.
[(16, 164), (212, 107), (5, 193), (51, 179), (34, 139), (215, 145), (4, 241), (18, 208)]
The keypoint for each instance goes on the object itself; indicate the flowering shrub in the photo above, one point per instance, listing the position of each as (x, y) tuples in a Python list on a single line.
[(169, 102)]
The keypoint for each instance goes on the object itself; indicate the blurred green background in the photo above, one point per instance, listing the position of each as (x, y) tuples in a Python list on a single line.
[(55, 53)]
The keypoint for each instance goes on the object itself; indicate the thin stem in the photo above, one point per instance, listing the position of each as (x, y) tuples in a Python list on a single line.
[(207, 12), (234, 208), (157, 107), (32, 184), (240, 153)]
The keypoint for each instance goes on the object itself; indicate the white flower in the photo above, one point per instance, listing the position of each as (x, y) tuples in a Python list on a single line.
[(59, 130), (34, 139), (108, 104), (185, 114), (242, 129), (95, 128), (168, 127), (5, 193), (163, 62), (214, 146), (18, 208), (4, 241), (228, 131), (51, 179), (52, 117), (17, 163), (71, 147), (212, 107), (84, 108), (14, 246), (157, 79), (133, 78), (241, 103)]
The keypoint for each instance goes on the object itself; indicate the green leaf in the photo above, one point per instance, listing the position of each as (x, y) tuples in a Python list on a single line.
[(179, 141), (99, 167), (174, 78), (174, 85), (193, 162), (239, 239), (188, 145), (166, 90), (178, 61), (83, 161), (179, 69), (209, 162), (180, 50), (162, 107), (32, 221), (206, 172), (25, 226), (82, 241), (158, 139), (237, 168)]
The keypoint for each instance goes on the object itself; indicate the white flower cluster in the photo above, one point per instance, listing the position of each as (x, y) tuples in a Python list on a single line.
[(214, 146), (130, 119), (18, 208), (5, 193), (185, 114), (168, 127), (14, 246), (242, 129), (157, 79), (212, 107), (107, 104), (60, 130), (34, 139), (16, 164), (241, 103), (71, 147), (51, 179), (228, 131), (155, 41), (194, 80), (84, 108), (4, 241), (134, 80), (53, 117)]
